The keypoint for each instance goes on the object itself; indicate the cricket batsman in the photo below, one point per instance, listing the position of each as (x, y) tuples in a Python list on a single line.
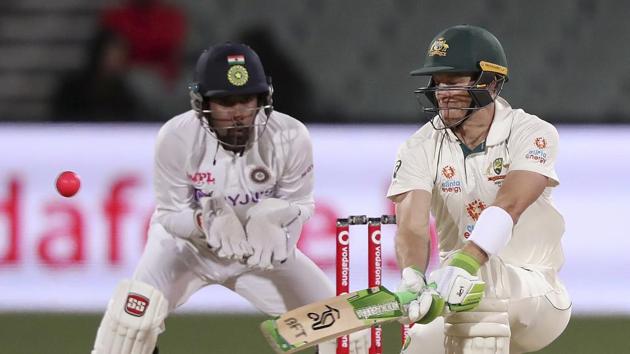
[(486, 171), (233, 182)]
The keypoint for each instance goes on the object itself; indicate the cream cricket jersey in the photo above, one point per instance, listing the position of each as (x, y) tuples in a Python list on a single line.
[(189, 163), (464, 182)]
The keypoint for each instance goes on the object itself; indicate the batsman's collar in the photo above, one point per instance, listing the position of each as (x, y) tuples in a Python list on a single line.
[(501, 125)]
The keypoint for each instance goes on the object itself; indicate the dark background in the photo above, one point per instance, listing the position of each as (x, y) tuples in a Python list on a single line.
[(332, 61)]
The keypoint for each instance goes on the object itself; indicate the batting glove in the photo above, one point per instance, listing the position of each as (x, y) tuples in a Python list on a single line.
[(428, 305), (457, 284)]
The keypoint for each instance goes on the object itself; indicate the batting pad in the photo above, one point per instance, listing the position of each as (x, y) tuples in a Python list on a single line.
[(133, 320), (484, 330)]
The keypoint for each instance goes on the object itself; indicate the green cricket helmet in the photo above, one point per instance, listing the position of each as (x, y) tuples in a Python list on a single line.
[(464, 49)]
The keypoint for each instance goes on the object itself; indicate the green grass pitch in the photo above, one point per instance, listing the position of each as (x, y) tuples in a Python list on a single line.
[(238, 334)]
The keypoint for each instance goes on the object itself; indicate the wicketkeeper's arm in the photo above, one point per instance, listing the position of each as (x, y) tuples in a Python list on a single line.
[(175, 201), (296, 183)]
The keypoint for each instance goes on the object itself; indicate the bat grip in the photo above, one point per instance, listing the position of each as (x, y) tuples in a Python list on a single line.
[(405, 297)]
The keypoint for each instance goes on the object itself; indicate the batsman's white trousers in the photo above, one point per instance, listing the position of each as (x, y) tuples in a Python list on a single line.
[(538, 309), (178, 269)]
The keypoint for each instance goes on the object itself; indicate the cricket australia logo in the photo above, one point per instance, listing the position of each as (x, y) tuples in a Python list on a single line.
[(325, 319), (497, 165), (439, 48)]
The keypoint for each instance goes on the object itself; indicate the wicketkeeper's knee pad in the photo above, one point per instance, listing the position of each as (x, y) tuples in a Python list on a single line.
[(483, 330), (133, 320), (359, 344)]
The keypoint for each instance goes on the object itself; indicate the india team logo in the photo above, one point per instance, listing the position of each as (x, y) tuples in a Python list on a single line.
[(259, 175), (448, 172), (237, 75), (439, 48), (540, 142)]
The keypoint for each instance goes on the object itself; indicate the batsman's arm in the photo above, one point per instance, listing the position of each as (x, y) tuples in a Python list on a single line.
[(493, 229), (523, 185), (412, 235)]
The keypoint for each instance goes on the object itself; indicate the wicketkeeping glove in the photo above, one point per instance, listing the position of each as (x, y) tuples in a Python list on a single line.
[(428, 305), (457, 283), (267, 232), (224, 231)]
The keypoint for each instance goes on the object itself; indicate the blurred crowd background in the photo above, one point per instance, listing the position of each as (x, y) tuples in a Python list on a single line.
[(331, 61)]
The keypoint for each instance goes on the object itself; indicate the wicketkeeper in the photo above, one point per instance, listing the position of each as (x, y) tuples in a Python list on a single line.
[(234, 184)]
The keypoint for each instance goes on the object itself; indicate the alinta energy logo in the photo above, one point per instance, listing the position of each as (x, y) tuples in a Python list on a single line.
[(450, 185), (538, 154), (448, 171)]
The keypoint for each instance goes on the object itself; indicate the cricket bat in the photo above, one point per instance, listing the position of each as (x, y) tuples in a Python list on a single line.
[(325, 320)]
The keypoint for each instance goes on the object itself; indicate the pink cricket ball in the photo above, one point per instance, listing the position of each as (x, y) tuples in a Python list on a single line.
[(68, 184)]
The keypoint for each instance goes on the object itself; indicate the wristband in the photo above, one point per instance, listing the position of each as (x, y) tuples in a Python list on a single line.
[(493, 230)]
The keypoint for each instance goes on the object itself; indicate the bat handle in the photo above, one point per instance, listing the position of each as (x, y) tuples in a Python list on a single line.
[(405, 297)]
